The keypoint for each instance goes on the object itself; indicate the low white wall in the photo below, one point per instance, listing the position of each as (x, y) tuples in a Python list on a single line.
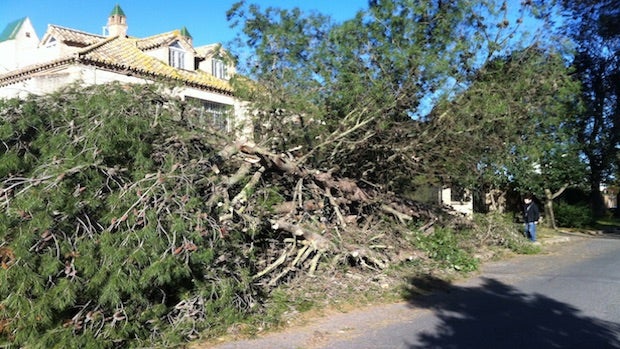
[(465, 207)]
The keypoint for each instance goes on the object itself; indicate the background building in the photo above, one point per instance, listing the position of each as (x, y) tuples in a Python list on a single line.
[(64, 56)]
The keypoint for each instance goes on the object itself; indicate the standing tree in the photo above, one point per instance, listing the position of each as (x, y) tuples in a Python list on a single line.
[(557, 167), (593, 27), (515, 114)]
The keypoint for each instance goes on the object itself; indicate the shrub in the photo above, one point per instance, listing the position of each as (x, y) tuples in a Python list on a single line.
[(495, 229), (447, 247), (573, 215)]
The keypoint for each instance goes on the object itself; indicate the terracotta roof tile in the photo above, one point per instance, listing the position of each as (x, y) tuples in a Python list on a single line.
[(73, 36), (124, 53), (160, 40), (206, 50), (155, 41), (25, 73), (121, 54)]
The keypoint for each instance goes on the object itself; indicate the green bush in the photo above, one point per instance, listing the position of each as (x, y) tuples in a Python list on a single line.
[(496, 229), (448, 248), (573, 216)]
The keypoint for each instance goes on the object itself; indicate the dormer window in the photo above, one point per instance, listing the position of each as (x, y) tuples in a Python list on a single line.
[(51, 42), (176, 56), (218, 68)]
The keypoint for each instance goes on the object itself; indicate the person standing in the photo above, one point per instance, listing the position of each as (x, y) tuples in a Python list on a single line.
[(531, 215)]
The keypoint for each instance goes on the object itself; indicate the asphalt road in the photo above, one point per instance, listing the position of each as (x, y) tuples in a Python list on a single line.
[(567, 297)]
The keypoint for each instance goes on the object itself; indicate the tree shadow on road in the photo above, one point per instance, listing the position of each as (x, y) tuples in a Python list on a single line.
[(497, 315)]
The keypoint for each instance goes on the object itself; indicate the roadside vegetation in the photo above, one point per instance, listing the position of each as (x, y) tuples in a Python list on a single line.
[(131, 221)]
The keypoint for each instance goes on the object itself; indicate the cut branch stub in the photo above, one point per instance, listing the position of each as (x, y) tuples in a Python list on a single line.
[(317, 241)]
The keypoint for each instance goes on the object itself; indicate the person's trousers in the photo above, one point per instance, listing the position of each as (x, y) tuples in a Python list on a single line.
[(530, 231)]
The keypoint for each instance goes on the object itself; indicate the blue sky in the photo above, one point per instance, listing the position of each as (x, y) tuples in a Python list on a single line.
[(205, 19)]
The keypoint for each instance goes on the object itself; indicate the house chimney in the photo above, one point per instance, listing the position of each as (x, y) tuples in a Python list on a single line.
[(117, 22)]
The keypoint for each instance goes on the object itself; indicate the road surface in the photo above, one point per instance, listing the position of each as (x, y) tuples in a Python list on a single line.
[(567, 297)]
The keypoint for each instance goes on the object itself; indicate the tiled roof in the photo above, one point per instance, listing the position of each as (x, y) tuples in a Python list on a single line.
[(72, 36), (206, 50), (11, 30), (158, 40), (124, 55), (26, 72)]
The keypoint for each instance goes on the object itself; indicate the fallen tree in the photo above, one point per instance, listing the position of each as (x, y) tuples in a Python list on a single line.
[(127, 220)]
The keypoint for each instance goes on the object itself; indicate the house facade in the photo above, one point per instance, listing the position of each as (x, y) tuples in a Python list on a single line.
[(460, 200), (65, 56)]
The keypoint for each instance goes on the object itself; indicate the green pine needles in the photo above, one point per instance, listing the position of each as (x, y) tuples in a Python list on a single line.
[(106, 240)]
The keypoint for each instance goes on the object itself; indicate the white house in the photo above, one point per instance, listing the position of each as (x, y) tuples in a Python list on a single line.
[(64, 56), (460, 201)]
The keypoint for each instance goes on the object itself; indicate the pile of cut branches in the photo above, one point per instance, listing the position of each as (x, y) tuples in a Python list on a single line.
[(129, 221)]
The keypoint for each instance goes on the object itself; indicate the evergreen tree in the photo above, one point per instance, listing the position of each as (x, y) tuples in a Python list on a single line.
[(106, 240), (592, 25)]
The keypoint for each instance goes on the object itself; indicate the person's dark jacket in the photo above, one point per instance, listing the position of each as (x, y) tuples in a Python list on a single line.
[(531, 213)]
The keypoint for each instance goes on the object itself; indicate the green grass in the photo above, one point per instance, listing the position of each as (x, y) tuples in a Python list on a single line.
[(606, 223)]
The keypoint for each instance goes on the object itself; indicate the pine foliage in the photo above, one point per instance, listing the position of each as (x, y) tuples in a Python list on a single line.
[(105, 241), (131, 222)]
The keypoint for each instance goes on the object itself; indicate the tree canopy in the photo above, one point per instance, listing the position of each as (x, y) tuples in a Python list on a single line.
[(592, 25), (407, 92)]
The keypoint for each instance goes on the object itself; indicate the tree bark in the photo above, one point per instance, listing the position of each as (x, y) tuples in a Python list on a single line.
[(549, 197), (550, 222), (597, 204)]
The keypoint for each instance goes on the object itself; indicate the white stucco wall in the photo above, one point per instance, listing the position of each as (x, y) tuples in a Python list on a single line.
[(50, 81), (21, 50), (8, 56), (54, 51), (26, 44), (465, 207), (161, 54), (94, 76), (42, 83)]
